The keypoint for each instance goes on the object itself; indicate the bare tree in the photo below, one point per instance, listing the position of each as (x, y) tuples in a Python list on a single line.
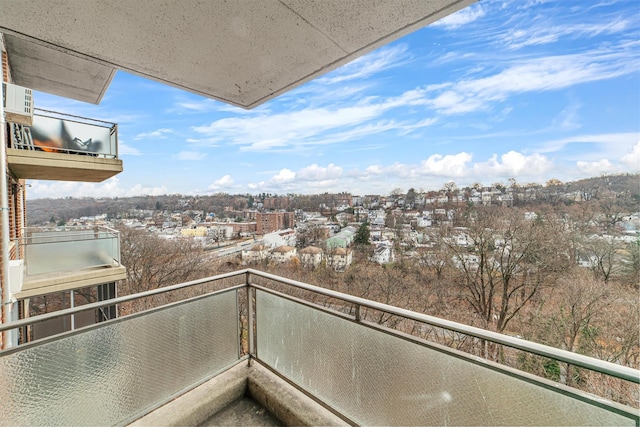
[(153, 262), (507, 261), (582, 300), (602, 252)]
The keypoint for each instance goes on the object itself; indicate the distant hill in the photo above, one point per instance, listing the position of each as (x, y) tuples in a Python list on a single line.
[(41, 211), (626, 185)]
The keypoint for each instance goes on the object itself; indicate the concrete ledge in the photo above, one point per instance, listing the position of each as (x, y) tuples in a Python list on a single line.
[(66, 280), (285, 402), (196, 406)]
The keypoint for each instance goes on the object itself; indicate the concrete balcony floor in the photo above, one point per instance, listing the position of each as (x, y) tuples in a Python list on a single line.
[(247, 394), (242, 412)]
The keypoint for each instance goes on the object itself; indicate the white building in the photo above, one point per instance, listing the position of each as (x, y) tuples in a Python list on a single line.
[(257, 253), (340, 258), (310, 256), (383, 254), (423, 221), (220, 232), (285, 237), (283, 254)]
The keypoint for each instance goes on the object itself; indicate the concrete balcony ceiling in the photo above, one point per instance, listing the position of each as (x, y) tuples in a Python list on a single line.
[(239, 52), (29, 164)]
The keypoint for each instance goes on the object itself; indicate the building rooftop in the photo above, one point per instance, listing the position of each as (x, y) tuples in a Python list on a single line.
[(310, 250)]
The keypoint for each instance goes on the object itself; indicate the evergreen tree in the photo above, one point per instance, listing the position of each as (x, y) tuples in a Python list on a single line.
[(362, 235)]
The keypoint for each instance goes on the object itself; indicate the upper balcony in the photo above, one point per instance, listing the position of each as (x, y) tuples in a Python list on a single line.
[(67, 258), (61, 147), (358, 361)]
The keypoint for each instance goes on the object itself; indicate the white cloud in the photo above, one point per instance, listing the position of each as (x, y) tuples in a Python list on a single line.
[(514, 164), (632, 159), (221, 184), (285, 175), (109, 188), (158, 134), (449, 165), (190, 155), (370, 64), (614, 143), (127, 150), (529, 75), (451, 57), (300, 129), (264, 132), (319, 173), (546, 33), (600, 167), (461, 17), (431, 172), (374, 170), (568, 119), (200, 106), (313, 126)]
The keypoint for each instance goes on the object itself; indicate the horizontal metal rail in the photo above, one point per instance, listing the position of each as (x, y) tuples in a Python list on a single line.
[(608, 368), (597, 365), (56, 114), (72, 229), (100, 304)]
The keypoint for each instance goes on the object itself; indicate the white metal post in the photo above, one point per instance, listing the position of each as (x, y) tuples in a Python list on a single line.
[(8, 306)]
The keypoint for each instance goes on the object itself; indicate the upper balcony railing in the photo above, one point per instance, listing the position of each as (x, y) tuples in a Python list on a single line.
[(324, 342), (64, 258), (64, 147), (69, 248)]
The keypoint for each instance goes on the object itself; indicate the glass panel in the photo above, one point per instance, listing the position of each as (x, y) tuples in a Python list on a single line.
[(379, 379), (49, 252), (52, 134), (111, 373)]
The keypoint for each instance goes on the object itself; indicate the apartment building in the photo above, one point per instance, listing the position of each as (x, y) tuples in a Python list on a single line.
[(268, 222), (45, 269)]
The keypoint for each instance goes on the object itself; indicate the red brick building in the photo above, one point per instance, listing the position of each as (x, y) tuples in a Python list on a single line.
[(267, 222)]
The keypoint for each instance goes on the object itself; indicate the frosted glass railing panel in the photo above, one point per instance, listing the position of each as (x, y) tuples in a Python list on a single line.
[(48, 252), (379, 379), (114, 372)]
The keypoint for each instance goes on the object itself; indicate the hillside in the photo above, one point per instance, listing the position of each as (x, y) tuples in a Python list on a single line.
[(624, 188)]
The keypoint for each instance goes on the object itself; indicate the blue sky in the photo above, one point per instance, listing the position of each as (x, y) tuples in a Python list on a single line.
[(530, 90)]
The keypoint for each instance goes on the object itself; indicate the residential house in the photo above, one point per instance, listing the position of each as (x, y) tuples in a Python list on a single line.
[(383, 254), (255, 254), (310, 256), (343, 239), (283, 254), (340, 258)]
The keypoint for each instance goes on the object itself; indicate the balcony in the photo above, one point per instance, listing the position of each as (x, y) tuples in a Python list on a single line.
[(248, 332), (60, 147), (68, 258)]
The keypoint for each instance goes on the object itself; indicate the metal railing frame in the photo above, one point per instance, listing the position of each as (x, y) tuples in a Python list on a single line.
[(596, 365), (69, 232), (113, 132)]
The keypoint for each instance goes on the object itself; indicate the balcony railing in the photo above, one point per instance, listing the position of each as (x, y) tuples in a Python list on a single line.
[(324, 342), (64, 147), (69, 248)]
